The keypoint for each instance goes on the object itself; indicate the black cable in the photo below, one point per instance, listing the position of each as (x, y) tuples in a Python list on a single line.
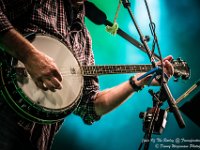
[(152, 28), (155, 39), (148, 134), (170, 99), (155, 43)]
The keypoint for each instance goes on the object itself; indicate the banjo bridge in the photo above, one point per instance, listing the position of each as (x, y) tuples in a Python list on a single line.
[(73, 70)]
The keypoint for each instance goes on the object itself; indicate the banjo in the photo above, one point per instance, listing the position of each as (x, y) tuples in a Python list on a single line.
[(34, 104)]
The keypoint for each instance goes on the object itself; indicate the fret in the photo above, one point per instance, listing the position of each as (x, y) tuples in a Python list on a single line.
[(114, 69)]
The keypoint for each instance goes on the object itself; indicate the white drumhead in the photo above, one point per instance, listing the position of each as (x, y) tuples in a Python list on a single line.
[(69, 67)]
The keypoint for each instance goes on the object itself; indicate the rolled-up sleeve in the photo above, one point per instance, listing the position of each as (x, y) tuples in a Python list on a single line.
[(4, 22), (86, 108)]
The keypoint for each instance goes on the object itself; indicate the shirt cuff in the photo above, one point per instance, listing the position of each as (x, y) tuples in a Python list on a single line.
[(87, 112)]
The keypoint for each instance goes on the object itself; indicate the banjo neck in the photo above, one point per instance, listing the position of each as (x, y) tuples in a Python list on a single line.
[(114, 69), (181, 69)]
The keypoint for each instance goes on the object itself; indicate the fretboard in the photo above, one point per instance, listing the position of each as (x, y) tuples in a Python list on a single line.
[(116, 69)]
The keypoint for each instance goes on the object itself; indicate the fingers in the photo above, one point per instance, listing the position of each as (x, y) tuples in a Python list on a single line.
[(44, 72), (57, 75), (41, 85), (52, 83), (49, 83), (169, 68), (169, 58)]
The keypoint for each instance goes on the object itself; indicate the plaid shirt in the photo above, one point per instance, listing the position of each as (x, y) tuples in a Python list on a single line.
[(48, 16)]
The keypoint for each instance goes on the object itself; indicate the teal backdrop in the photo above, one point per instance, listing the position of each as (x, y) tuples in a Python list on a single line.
[(178, 31)]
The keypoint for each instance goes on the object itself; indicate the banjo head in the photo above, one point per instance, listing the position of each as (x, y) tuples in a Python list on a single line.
[(61, 100)]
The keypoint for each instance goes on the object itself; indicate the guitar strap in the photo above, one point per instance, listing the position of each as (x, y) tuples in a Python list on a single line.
[(73, 19), (69, 11)]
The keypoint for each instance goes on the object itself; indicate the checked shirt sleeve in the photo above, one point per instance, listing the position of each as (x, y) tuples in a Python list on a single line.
[(86, 109), (4, 22)]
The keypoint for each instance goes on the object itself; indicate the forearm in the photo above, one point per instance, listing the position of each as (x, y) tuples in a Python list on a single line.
[(111, 98), (16, 45)]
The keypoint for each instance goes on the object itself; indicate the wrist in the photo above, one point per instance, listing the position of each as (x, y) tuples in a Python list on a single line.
[(134, 86)]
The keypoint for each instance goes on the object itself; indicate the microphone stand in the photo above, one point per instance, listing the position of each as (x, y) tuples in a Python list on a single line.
[(127, 4), (131, 39), (150, 121), (91, 11), (170, 99)]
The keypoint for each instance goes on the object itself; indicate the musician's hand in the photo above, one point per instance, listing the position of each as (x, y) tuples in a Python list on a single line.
[(168, 69), (43, 71)]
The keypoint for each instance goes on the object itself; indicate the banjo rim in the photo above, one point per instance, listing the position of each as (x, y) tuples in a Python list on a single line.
[(45, 115)]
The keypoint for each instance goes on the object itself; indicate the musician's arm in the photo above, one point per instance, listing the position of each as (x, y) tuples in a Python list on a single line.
[(13, 42), (109, 99), (16, 45), (42, 68), (10, 40)]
